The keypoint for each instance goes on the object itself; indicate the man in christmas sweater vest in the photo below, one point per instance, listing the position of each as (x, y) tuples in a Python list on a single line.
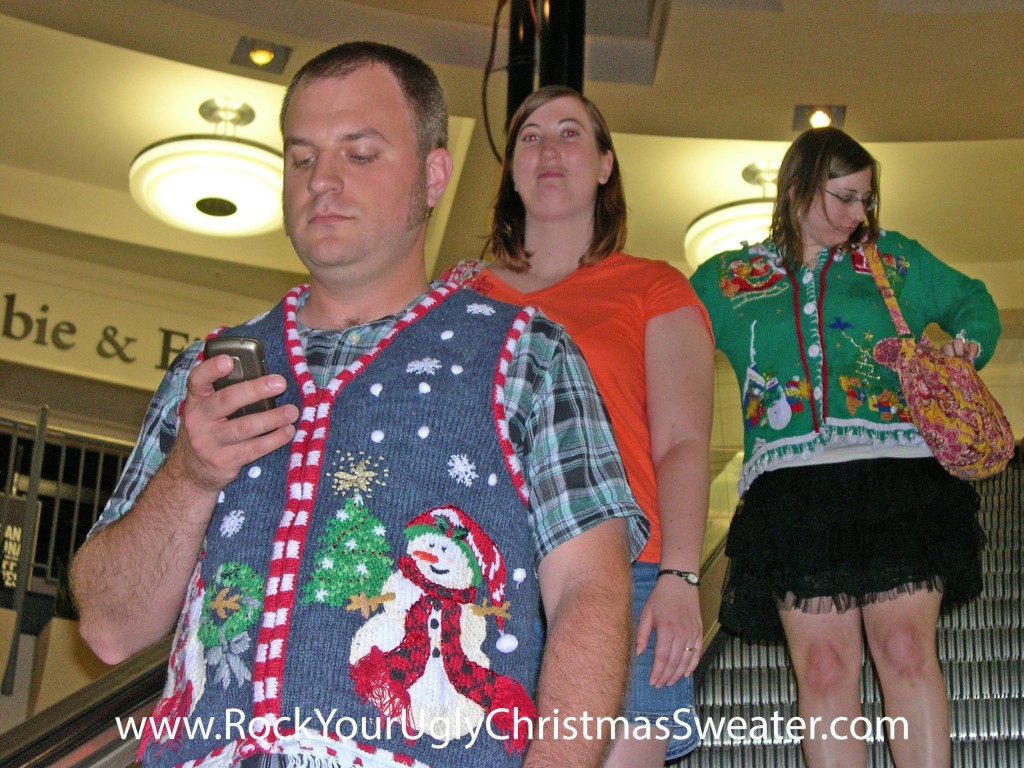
[(355, 574)]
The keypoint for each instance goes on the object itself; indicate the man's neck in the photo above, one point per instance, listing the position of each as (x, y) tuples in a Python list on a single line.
[(331, 308)]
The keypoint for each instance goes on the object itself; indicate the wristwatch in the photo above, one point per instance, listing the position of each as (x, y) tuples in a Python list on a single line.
[(689, 577)]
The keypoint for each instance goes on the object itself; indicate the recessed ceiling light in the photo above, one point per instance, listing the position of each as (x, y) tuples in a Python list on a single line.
[(818, 116), (263, 55)]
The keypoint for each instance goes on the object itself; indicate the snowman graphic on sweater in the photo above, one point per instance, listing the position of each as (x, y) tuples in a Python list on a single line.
[(420, 660)]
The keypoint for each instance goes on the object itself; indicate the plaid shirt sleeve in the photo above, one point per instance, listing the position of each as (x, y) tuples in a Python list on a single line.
[(159, 429), (563, 437)]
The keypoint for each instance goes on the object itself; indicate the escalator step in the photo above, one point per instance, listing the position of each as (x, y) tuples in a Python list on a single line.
[(1003, 559), (996, 753), (985, 611), (975, 644), (958, 639), (965, 680)]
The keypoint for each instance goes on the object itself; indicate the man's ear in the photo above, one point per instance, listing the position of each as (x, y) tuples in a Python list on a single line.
[(439, 171)]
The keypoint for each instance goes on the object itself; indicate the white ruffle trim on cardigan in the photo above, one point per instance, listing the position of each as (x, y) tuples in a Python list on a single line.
[(767, 456)]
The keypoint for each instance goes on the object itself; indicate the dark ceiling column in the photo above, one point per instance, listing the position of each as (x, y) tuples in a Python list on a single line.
[(563, 38), (522, 61)]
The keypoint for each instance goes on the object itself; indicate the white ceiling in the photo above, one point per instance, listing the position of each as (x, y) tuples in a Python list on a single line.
[(935, 88)]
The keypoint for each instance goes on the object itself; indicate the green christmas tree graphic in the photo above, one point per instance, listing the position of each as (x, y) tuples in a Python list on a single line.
[(353, 558)]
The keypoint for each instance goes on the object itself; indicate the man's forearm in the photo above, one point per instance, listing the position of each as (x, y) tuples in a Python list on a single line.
[(129, 579), (586, 656)]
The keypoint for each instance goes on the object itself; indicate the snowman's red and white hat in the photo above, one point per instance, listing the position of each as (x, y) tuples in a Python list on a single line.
[(485, 560)]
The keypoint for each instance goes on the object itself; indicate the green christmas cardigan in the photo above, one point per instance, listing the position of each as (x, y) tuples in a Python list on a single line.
[(801, 344)]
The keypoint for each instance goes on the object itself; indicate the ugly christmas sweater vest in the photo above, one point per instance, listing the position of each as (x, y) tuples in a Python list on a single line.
[(367, 594)]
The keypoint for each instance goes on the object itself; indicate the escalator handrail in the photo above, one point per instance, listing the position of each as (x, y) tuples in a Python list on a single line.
[(57, 730)]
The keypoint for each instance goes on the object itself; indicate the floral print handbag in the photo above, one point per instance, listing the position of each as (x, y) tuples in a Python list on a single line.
[(962, 423)]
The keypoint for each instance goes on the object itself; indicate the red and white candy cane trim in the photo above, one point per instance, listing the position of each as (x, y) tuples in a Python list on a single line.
[(512, 463), (302, 480)]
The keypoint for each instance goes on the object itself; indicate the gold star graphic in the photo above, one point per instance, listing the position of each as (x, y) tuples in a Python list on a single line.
[(359, 476)]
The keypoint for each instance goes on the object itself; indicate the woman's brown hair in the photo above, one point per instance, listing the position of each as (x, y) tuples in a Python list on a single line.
[(506, 241), (817, 155)]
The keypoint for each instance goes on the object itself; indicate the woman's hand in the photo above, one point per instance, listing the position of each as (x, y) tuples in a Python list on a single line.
[(672, 612), (958, 347)]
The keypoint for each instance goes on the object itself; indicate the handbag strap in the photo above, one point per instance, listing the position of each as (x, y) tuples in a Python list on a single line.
[(884, 288)]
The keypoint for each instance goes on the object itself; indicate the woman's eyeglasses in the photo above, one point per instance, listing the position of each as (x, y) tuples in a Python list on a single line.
[(869, 201)]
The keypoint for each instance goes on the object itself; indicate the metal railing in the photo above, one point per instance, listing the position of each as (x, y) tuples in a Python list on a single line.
[(78, 474)]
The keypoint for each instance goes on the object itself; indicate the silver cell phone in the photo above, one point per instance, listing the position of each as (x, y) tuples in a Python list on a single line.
[(247, 355)]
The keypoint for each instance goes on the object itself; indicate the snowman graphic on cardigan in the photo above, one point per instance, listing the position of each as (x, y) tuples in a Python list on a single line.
[(420, 660)]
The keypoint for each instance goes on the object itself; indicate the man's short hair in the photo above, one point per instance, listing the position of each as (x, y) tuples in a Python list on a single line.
[(420, 87)]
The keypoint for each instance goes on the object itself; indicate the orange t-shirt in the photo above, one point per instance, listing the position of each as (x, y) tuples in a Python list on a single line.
[(605, 308)]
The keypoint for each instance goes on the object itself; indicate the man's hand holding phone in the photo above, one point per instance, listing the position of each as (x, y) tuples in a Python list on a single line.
[(229, 417)]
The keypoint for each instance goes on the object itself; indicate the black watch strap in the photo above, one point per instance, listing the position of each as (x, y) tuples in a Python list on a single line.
[(688, 576)]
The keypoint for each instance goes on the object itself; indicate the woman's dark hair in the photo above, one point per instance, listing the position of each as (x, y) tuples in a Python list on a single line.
[(817, 155), (506, 241)]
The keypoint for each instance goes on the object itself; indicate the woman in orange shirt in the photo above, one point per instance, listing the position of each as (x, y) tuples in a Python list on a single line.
[(556, 242)]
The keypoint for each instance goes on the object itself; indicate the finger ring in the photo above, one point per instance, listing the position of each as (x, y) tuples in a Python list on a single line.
[(688, 648)]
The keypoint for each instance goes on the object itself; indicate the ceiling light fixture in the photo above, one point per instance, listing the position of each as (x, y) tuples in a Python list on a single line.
[(213, 184), (733, 225), (263, 55), (818, 116)]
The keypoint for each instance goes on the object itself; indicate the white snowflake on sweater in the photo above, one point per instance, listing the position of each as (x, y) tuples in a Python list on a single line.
[(479, 309), (462, 470), (232, 523), (427, 365)]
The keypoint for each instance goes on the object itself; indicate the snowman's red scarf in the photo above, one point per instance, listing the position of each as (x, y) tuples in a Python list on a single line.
[(384, 679)]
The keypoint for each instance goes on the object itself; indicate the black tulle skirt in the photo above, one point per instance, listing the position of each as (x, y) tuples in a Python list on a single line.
[(837, 536)]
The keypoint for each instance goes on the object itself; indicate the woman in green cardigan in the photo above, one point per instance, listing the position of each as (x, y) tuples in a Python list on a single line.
[(847, 527)]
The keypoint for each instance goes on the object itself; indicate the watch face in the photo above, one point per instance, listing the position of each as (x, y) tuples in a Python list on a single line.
[(692, 578)]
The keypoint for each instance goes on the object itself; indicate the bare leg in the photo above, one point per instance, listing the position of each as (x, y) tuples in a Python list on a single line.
[(637, 753), (827, 653), (901, 638)]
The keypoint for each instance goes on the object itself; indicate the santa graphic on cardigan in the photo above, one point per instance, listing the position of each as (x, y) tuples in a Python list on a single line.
[(421, 659)]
